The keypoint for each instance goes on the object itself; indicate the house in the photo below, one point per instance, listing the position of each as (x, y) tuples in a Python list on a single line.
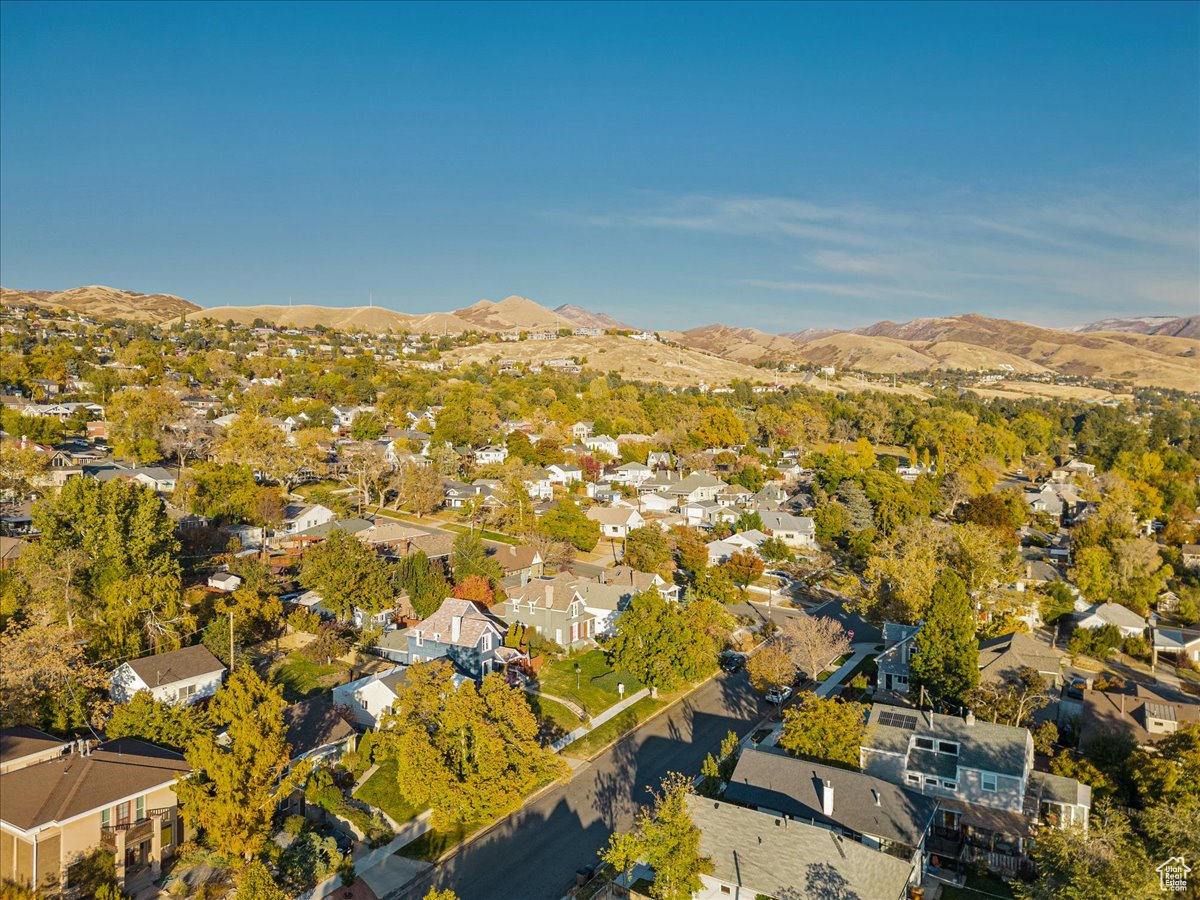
[(490, 455), (1168, 602), (224, 581), (456, 494), (367, 700), (459, 631), (655, 503), (298, 517), (539, 486), (632, 473), (551, 606), (1001, 659), (697, 487), (603, 604), (798, 532), (10, 551), (156, 478), (1045, 500), (734, 495), (1137, 711), (602, 443), (180, 676), (1189, 555), (635, 582), (771, 496), (869, 810), (1100, 614), (660, 459), (894, 662), (1177, 641), (1072, 468), (581, 430), (981, 773), (760, 854), (316, 731), (60, 802), (616, 522), (564, 473), (518, 563)]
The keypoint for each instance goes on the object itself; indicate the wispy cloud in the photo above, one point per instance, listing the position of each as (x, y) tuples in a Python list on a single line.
[(1070, 254)]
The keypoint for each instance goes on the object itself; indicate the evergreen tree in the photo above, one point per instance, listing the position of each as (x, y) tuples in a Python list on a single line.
[(945, 653), (344, 571)]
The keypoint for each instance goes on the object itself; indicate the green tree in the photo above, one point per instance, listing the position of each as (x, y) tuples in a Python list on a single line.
[(366, 426), (424, 583), (121, 526), (743, 566), (749, 521), (344, 571), (647, 549), (825, 728), (716, 769), (469, 557), (45, 679), (237, 783), (418, 487), (663, 837), (567, 522), (662, 644), (472, 755), (143, 613), (167, 724), (137, 423), (1106, 860), (945, 654), (1012, 703)]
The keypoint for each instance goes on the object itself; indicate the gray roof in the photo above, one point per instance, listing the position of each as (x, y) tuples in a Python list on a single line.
[(781, 521), (983, 745), (782, 858), (862, 803), (1002, 658), (177, 665), (1058, 789)]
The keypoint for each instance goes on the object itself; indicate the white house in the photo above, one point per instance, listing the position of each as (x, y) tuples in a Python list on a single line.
[(224, 581), (564, 473), (602, 443), (1101, 614), (301, 518), (539, 485), (798, 532), (180, 676), (369, 699), (616, 522), (633, 473), (1178, 641), (656, 503), (493, 454)]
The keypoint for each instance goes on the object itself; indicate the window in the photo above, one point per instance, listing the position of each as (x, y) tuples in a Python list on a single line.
[(487, 642), (901, 679), (725, 889), (420, 638), (948, 747), (989, 782), (925, 743), (139, 808), (930, 781), (914, 779), (105, 818), (950, 785), (187, 691)]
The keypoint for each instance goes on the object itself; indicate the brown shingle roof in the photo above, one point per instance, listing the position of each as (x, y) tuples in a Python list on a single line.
[(70, 786), (314, 723), (177, 665), (20, 741), (513, 559)]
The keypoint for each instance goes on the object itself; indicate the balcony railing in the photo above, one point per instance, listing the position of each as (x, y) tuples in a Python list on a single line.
[(133, 831)]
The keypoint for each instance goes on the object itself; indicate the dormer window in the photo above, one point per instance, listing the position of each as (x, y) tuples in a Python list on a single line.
[(924, 743), (948, 747)]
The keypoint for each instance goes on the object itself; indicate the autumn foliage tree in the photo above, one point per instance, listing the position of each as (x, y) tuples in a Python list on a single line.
[(825, 728), (470, 754), (477, 589)]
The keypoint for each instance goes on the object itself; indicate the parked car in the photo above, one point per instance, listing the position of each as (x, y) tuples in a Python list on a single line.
[(779, 695), (1076, 687), (732, 661)]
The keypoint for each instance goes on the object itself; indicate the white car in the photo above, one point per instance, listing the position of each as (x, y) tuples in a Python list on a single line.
[(779, 695)]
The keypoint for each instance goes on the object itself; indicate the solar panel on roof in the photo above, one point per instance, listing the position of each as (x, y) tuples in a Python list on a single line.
[(897, 720)]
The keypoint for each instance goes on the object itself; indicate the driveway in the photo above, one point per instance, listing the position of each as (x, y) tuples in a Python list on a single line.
[(536, 852)]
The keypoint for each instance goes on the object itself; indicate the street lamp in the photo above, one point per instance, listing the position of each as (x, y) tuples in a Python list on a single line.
[(578, 669)]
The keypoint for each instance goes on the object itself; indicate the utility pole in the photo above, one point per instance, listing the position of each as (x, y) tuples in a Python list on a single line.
[(231, 640)]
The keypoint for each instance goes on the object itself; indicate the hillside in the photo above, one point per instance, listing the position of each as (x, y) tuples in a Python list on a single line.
[(100, 302), (747, 345), (1169, 326), (588, 319), (363, 318), (510, 313)]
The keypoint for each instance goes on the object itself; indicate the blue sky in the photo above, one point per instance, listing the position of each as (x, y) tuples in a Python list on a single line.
[(780, 166)]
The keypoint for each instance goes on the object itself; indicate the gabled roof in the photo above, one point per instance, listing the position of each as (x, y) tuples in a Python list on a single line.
[(70, 786), (608, 515), (1115, 614), (474, 623), (772, 780), (781, 521), (20, 741), (547, 593), (983, 745), (514, 558), (312, 724), (176, 665), (776, 857), (1002, 658)]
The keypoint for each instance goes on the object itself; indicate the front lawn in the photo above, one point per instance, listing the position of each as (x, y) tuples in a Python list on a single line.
[(430, 846), (483, 533), (627, 720), (977, 888), (303, 677), (383, 790), (554, 719), (597, 689)]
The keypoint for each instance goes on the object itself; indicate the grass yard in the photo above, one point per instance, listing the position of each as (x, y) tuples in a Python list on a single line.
[(302, 677), (977, 888), (597, 689), (432, 844), (381, 790), (483, 533), (554, 718), (627, 720)]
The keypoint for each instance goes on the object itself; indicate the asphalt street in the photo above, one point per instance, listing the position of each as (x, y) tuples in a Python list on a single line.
[(536, 852)]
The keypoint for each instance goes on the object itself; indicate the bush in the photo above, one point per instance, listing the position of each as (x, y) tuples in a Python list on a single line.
[(293, 825), (1137, 647), (305, 620), (1095, 642)]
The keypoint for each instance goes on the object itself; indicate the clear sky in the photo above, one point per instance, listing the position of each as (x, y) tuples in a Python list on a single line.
[(781, 166)]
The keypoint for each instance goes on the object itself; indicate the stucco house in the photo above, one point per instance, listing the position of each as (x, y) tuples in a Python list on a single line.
[(60, 801), (798, 532), (180, 676), (615, 522)]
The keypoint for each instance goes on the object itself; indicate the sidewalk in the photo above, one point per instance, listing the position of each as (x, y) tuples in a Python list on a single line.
[(827, 687), (383, 869), (618, 708)]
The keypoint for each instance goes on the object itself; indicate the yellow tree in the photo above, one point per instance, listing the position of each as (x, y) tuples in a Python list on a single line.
[(138, 421)]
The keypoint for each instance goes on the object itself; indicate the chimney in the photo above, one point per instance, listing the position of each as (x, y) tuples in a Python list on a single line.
[(549, 595), (969, 718), (1029, 569), (827, 798), (455, 629)]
